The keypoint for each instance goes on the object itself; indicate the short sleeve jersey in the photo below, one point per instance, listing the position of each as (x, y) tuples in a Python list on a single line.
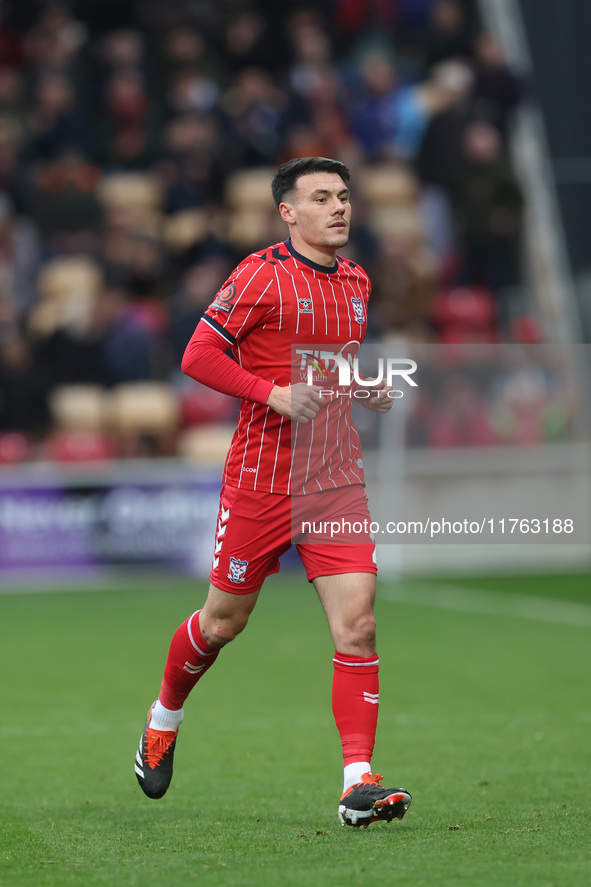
[(279, 312)]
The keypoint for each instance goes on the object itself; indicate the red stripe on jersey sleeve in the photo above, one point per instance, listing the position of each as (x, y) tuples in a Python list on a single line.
[(206, 361)]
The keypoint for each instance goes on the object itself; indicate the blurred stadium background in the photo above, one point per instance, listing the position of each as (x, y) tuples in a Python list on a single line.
[(137, 142)]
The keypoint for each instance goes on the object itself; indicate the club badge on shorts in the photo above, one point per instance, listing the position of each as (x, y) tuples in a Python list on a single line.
[(237, 570)]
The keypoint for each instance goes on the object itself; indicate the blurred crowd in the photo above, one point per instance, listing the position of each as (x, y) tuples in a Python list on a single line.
[(137, 142), (490, 395)]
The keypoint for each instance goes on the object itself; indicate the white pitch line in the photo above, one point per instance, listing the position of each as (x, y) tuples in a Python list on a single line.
[(491, 603)]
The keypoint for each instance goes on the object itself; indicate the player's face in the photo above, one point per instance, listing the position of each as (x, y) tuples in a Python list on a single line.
[(319, 215)]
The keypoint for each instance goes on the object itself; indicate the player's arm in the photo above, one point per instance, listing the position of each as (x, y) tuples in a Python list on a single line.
[(300, 402), (205, 359)]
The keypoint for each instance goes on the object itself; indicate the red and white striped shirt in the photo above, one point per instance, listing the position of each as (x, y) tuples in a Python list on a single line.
[(279, 312)]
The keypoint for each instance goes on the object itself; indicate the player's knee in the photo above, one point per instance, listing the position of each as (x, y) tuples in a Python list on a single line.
[(358, 636), (221, 631), (365, 630)]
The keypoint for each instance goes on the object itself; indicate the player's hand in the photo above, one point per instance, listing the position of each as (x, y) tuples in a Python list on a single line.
[(299, 402), (378, 399)]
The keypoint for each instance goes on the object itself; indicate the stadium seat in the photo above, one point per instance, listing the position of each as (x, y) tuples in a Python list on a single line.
[(15, 447), (460, 313), (526, 330), (144, 419), (250, 188), (68, 288), (388, 184), (144, 408), (206, 445), (142, 190), (202, 405), (402, 222), (79, 446), (136, 200), (184, 229), (79, 408), (250, 228)]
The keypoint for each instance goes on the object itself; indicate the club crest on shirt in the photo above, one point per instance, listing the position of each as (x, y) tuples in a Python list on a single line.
[(358, 309), (224, 301), (237, 570), (305, 305)]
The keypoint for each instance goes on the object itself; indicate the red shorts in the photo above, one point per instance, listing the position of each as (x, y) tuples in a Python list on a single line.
[(330, 530)]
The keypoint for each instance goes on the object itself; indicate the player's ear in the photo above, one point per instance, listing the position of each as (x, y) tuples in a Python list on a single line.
[(286, 213)]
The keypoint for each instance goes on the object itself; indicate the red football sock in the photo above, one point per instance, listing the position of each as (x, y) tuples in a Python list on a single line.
[(189, 657), (355, 698)]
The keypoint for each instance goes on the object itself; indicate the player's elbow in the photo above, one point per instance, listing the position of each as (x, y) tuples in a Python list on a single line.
[(191, 359), (187, 363)]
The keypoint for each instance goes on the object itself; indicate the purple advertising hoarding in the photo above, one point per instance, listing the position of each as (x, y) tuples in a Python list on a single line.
[(127, 515)]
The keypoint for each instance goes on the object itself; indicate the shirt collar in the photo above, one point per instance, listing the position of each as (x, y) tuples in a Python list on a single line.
[(317, 267)]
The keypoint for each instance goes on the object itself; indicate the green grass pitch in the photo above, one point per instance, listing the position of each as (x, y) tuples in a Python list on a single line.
[(485, 718)]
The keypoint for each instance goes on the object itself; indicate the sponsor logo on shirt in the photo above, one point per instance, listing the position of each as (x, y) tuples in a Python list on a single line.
[(318, 365), (224, 301)]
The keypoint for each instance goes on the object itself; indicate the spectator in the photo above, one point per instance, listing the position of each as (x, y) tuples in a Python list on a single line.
[(126, 135), (356, 21), (248, 42), (11, 44), (461, 417), (63, 203), (13, 174), (12, 95), (19, 259), (191, 91), (370, 107), (183, 47), (389, 118), (121, 123), (439, 158), (254, 107), (24, 387), (123, 49), (193, 297), (56, 123), (449, 32), (130, 340), (488, 206), (54, 42), (497, 90), (403, 279)]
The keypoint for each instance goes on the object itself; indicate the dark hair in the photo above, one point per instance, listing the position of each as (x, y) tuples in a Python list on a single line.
[(287, 175)]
